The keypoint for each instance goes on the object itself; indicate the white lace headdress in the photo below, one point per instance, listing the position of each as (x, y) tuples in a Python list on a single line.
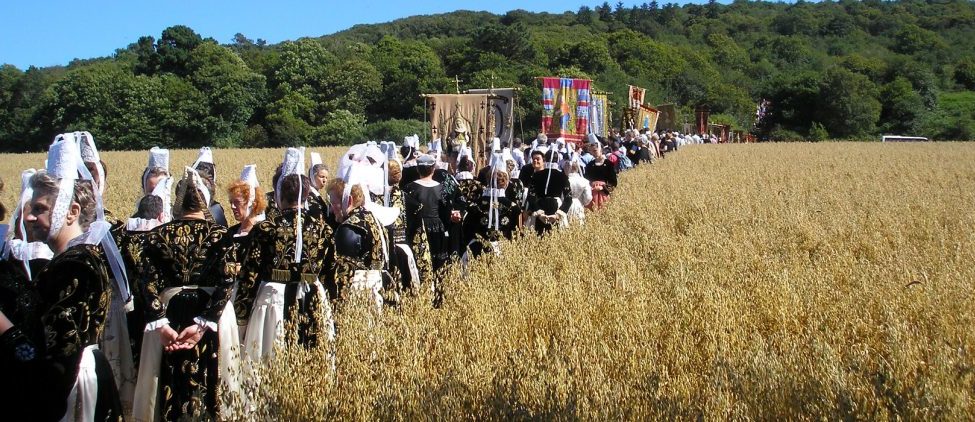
[(65, 163), (249, 175), (293, 164), (158, 158)]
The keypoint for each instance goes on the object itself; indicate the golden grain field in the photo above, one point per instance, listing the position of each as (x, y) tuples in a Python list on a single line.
[(763, 281)]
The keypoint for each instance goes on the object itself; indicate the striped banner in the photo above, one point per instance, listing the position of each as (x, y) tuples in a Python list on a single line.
[(565, 108), (599, 115)]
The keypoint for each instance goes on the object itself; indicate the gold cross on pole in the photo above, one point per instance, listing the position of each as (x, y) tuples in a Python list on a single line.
[(457, 82)]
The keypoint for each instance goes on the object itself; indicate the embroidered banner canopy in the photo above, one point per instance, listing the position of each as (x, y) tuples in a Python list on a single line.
[(565, 108), (502, 102), (457, 119)]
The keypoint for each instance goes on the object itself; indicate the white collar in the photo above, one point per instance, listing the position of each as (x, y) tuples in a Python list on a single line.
[(427, 183), (498, 193)]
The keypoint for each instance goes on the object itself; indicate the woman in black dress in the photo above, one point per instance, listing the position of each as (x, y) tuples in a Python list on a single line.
[(52, 367), (428, 215), (187, 348)]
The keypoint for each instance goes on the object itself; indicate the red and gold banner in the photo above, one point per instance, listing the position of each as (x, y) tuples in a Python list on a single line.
[(637, 95), (565, 108)]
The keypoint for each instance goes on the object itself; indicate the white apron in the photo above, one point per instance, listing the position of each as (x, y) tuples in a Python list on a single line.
[(265, 328), (145, 405), (84, 394)]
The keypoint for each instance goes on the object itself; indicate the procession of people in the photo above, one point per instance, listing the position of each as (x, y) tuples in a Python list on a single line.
[(159, 315)]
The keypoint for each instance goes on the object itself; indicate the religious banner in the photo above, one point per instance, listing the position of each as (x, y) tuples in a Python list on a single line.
[(565, 108), (599, 115), (647, 118), (457, 119), (502, 102), (668, 118), (636, 96), (701, 114)]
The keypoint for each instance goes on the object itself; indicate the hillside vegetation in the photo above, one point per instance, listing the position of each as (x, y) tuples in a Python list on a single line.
[(846, 69)]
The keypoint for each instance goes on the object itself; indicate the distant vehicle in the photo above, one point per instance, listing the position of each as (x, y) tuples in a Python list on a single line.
[(898, 138)]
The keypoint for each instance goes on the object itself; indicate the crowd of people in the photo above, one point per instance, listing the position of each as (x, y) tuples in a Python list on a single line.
[(158, 315)]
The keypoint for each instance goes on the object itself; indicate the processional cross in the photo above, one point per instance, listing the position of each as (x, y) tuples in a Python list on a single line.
[(457, 82)]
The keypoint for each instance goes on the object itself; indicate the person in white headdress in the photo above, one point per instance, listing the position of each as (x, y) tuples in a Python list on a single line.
[(66, 376), (157, 181), (409, 151), (362, 247), (485, 173), (465, 164), (156, 170), (467, 185), (116, 342), (494, 216), (187, 354), (19, 300), (318, 174), (208, 170), (403, 263), (252, 242), (149, 215), (291, 296), (29, 256), (581, 192), (99, 173)]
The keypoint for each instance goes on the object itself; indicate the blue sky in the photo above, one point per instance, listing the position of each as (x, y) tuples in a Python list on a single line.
[(54, 32)]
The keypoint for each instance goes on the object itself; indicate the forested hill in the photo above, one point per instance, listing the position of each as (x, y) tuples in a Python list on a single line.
[(844, 69)]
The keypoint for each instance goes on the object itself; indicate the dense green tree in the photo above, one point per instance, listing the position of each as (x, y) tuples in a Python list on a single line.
[(175, 47), (794, 99), (341, 127), (353, 86), (9, 76), (952, 119), (901, 107), (509, 41), (288, 119), (590, 55), (913, 39), (233, 91), (409, 70), (305, 66), (120, 109), (726, 52), (965, 73), (147, 59), (182, 120), (848, 104), (585, 16)]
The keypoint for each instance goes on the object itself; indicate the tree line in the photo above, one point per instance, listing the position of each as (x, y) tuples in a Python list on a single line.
[(830, 70)]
